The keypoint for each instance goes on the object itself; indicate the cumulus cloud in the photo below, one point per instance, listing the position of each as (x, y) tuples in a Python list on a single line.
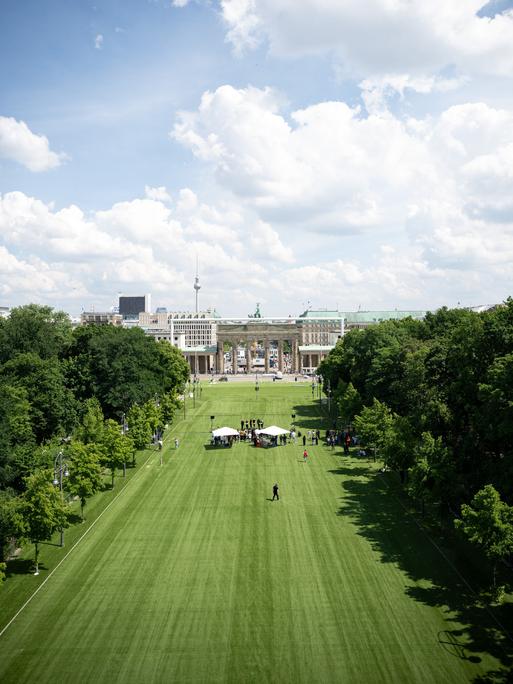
[(148, 244), (379, 36), (98, 41), (377, 91), (440, 185), (160, 193), (318, 169), (20, 144)]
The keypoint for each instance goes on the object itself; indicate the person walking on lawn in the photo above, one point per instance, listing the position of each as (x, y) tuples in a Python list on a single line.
[(275, 492)]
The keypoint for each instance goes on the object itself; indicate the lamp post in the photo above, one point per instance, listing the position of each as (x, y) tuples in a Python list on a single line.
[(293, 416), (60, 469), (212, 418)]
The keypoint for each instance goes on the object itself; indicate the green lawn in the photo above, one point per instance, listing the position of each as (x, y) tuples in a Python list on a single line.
[(192, 574)]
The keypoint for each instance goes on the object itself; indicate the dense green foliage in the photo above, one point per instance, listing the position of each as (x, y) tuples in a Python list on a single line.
[(436, 398), (70, 389), (450, 376), (488, 523)]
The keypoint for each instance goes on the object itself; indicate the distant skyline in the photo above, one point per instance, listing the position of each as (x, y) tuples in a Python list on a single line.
[(341, 153)]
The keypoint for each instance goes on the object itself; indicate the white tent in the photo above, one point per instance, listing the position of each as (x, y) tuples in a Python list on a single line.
[(225, 432), (272, 430)]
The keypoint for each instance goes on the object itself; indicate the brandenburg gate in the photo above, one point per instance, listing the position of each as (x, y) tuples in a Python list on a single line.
[(254, 332)]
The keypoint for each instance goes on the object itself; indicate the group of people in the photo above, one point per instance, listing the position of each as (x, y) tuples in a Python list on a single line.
[(312, 436), (342, 438), (251, 424)]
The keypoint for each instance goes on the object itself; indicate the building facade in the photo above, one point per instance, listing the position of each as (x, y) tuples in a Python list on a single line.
[(212, 344)]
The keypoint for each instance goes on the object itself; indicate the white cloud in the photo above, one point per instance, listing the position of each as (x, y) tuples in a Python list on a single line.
[(180, 3), (144, 243), (378, 36), (98, 41), (319, 170), (438, 187), (376, 91), (18, 143), (160, 193)]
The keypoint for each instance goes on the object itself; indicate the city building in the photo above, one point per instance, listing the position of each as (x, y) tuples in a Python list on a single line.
[(194, 333), (132, 306), (212, 344), (100, 318)]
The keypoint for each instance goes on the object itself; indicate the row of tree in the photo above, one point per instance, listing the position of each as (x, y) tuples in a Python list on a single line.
[(434, 400), (95, 394)]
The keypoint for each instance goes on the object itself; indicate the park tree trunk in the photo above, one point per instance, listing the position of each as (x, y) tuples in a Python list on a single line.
[(82, 504), (113, 472)]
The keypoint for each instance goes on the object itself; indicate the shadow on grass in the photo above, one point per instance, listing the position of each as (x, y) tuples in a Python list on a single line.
[(441, 576), (22, 566), (307, 418), (75, 518), (350, 472)]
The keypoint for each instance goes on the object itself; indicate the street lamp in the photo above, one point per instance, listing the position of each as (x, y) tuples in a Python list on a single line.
[(212, 418), (60, 469), (293, 416)]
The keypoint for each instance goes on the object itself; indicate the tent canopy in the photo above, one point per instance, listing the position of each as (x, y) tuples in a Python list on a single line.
[(272, 430), (224, 432)]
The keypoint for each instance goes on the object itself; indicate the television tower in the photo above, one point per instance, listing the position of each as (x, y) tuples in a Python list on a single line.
[(197, 286)]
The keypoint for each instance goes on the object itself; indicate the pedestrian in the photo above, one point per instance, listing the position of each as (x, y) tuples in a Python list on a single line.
[(160, 444), (177, 442), (305, 455), (304, 440), (347, 443), (275, 492)]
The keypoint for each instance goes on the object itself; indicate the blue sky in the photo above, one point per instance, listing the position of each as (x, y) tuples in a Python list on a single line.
[(349, 153)]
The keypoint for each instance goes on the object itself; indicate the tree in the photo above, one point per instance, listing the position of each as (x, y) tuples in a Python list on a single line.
[(116, 448), (43, 510), (91, 426), (398, 446), (152, 415), (36, 329), (138, 427), (121, 367), (373, 424), (16, 437), (11, 520), (169, 404), (349, 403), (85, 473), (433, 477), (174, 366), (488, 523), (52, 405)]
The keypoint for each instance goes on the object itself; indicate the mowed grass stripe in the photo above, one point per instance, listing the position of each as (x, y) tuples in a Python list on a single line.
[(195, 576)]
